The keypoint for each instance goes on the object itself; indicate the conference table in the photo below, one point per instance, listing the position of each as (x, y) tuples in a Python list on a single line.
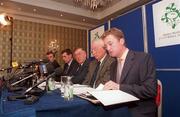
[(51, 104)]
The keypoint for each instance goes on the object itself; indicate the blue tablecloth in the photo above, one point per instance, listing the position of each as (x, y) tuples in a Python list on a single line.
[(52, 105)]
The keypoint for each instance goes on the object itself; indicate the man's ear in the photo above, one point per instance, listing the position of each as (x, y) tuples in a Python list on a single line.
[(122, 41)]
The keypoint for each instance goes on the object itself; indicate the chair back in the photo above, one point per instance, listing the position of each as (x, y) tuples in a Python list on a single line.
[(159, 98)]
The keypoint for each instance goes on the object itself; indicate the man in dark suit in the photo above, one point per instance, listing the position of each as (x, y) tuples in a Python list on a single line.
[(133, 72), (51, 57), (81, 57), (99, 69), (70, 66), (52, 65)]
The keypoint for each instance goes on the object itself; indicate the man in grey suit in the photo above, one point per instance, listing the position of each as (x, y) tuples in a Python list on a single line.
[(132, 72), (99, 69)]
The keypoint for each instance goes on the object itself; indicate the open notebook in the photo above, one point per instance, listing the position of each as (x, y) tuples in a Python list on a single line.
[(106, 97)]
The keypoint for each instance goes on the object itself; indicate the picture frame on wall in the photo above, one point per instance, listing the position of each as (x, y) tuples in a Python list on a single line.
[(96, 34)]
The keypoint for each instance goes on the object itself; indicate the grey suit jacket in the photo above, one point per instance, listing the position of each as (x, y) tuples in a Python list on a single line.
[(103, 74), (138, 79)]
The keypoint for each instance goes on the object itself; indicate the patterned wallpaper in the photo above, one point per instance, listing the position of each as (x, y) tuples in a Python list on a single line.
[(31, 40)]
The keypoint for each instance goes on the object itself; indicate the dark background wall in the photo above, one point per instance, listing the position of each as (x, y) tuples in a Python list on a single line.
[(131, 24), (167, 59), (168, 62)]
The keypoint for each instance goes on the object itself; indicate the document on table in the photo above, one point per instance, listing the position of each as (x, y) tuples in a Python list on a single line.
[(106, 97), (110, 97), (81, 89)]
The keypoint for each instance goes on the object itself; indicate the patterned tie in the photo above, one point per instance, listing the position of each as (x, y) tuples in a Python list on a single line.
[(79, 68), (95, 74), (67, 69), (119, 70)]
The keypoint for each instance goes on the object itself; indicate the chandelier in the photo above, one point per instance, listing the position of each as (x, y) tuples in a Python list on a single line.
[(93, 4), (53, 46)]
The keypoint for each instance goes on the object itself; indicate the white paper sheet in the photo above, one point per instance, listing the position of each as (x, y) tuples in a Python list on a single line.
[(82, 89), (110, 97), (100, 87)]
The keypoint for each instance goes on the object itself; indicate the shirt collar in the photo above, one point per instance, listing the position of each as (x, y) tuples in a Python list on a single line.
[(103, 58), (70, 62), (123, 57)]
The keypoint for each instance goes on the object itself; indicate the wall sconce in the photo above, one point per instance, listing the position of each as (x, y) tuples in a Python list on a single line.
[(53, 46), (7, 20)]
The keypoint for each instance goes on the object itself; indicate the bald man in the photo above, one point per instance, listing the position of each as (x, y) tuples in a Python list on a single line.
[(99, 69)]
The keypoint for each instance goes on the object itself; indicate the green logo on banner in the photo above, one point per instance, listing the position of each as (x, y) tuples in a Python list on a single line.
[(171, 16), (96, 36)]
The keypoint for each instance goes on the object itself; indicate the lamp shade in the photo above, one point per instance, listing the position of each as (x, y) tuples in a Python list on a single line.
[(5, 20)]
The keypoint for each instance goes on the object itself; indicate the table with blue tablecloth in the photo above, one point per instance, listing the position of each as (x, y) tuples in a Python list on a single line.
[(51, 104)]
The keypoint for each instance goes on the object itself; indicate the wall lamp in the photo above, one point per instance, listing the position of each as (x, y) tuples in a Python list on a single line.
[(7, 20)]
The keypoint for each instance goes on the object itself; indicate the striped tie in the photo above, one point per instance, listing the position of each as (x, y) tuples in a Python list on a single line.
[(95, 74), (119, 70)]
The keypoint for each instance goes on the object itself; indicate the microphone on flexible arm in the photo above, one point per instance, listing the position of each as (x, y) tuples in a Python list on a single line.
[(24, 79), (57, 72), (14, 65)]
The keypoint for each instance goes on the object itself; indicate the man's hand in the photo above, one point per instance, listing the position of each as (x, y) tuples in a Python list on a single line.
[(110, 85)]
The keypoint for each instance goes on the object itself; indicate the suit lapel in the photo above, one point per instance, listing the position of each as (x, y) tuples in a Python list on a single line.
[(113, 70), (65, 68), (80, 68), (102, 66), (94, 64), (70, 67), (127, 65)]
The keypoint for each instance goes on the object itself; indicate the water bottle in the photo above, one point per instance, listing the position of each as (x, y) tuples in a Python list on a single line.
[(68, 89)]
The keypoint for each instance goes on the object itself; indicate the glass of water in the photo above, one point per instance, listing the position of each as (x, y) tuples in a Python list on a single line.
[(63, 81)]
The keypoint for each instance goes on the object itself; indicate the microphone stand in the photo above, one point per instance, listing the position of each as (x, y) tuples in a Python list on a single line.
[(11, 40), (45, 80), (11, 43), (23, 79)]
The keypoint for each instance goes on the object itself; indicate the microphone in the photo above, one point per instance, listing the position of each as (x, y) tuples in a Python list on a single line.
[(23, 79), (57, 72), (29, 89), (33, 62), (14, 65)]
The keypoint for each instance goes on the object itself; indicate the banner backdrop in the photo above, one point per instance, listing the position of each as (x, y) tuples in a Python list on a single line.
[(166, 17), (96, 34)]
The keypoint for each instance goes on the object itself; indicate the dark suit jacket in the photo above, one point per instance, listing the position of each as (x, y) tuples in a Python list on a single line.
[(138, 79), (81, 73), (103, 74), (71, 70), (55, 64)]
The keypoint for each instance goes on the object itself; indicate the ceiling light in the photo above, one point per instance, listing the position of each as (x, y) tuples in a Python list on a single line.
[(93, 4), (2, 3)]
